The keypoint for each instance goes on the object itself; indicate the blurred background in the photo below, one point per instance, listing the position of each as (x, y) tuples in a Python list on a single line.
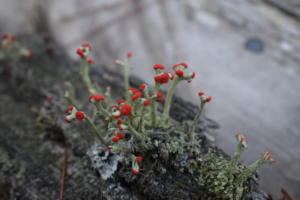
[(246, 55)]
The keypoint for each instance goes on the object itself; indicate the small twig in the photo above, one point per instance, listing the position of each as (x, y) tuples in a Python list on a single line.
[(63, 174)]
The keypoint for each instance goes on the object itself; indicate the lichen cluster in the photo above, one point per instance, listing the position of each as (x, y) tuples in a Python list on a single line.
[(134, 130), (11, 49)]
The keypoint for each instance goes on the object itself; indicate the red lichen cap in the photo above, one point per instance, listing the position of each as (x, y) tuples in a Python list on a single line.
[(158, 66), (136, 96), (80, 115), (96, 97), (120, 136), (86, 45), (139, 159), (126, 109), (179, 73), (136, 172), (159, 96), (70, 109), (67, 120), (84, 50), (171, 76), (115, 112), (193, 75), (241, 139), (129, 55), (207, 99), (80, 52), (29, 54), (90, 61), (143, 86), (122, 127), (190, 76), (12, 37), (162, 78), (117, 115), (121, 101), (268, 157), (115, 139), (4, 36), (201, 93), (132, 90), (146, 102), (184, 65)]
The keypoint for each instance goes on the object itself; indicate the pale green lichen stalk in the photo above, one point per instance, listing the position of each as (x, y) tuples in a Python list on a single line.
[(169, 96), (195, 122), (180, 75), (126, 69)]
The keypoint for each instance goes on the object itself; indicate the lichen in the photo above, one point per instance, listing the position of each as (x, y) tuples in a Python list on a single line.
[(105, 162), (136, 135), (11, 49), (213, 173)]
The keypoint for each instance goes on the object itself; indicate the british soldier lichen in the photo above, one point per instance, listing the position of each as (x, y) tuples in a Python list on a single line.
[(11, 49), (130, 124)]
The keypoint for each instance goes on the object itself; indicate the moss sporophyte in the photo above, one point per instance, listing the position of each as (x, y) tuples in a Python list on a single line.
[(129, 123)]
